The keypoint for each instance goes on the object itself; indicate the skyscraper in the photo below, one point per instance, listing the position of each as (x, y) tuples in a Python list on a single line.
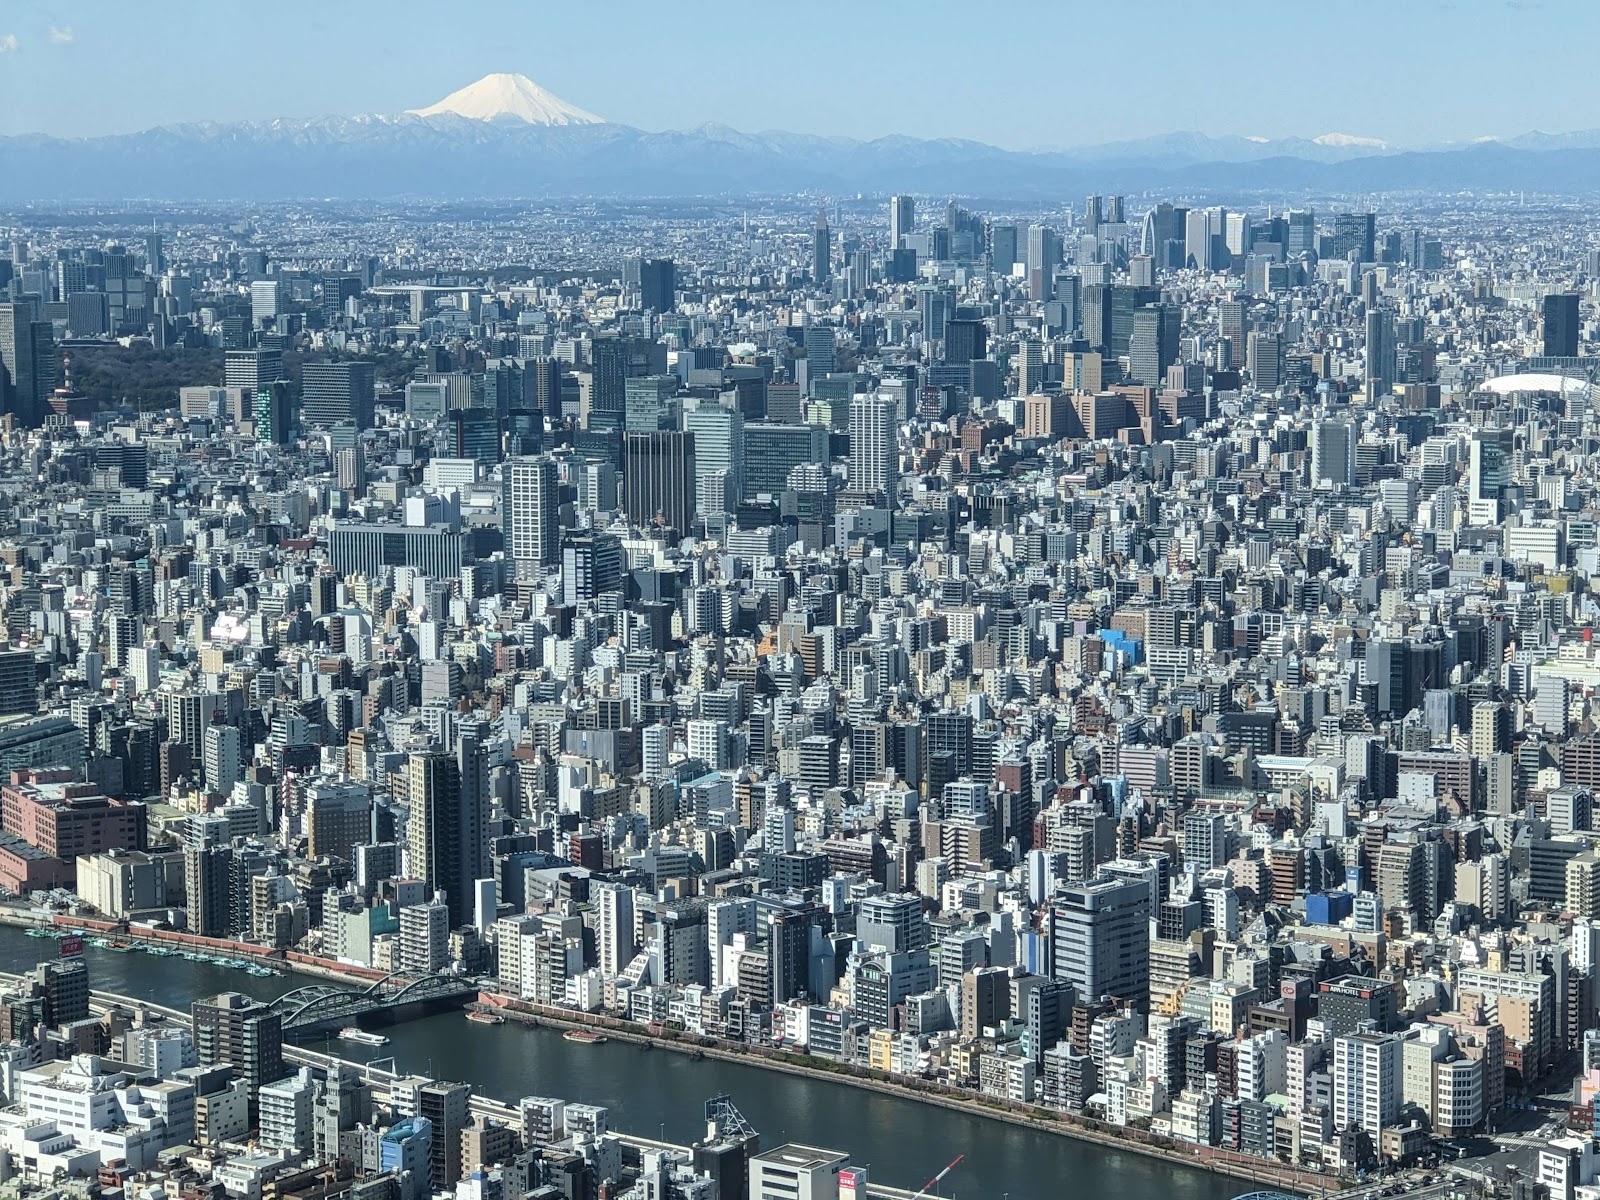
[(529, 514), (272, 412), (964, 341), (658, 285), (873, 451), (1380, 350), (332, 393), (1302, 233), (1197, 240), (1044, 249), (821, 250), (249, 369), (608, 384), (1153, 345), (1560, 312), (547, 377), (1003, 247), (27, 365), (1264, 359), (1331, 453), (659, 479), (718, 443), (648, 403), (445, 845), (822, 348), (902, 219), (1353, 233)]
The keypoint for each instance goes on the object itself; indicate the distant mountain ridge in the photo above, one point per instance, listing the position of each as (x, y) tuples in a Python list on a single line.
[(504, 137)]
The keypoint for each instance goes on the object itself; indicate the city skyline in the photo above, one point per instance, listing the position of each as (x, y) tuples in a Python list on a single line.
[(364, 65)]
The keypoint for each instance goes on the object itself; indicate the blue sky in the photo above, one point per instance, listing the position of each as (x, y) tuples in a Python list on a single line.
[(1019, 73)]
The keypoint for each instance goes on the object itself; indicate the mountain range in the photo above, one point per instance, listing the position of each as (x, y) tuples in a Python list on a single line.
[(504, 137)]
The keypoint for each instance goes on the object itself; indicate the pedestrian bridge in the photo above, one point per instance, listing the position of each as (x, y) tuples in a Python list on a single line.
[(324, 1003)]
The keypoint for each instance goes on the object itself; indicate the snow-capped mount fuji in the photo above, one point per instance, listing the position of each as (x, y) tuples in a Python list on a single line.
[(505, 96)]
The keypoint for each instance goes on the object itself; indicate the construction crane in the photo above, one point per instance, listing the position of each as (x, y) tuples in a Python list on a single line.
[(934, 1182)]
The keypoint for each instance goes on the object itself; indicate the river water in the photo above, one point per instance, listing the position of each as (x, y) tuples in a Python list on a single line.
[(656, 1093)]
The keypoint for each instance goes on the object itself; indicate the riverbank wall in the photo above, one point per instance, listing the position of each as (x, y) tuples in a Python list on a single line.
[(1245, 1168), (293, 960), (1258, 1172)]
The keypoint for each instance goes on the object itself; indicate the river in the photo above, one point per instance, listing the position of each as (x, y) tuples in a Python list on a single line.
[(659, 1093)]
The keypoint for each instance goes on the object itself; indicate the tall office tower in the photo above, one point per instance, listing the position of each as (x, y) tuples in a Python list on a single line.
[(590, 567), (1354, 233), (547, 376), (1231, 323), (1489, 464), (822, 350), (266, 301), (1030, 367), (1302, 232), (334, 393), (1113, 210), (528, 510), (272, 412), (658, 285), (934, 303), (27, 365), (1044, 249), (608, 388), (1197, 239), (659, 479), (1560, 311), (155, 259), (234, 1029), (1091, 216), (1380, 351), (1264, 360), (873, 452), (1332, 453), (1153, 345), (437, 832), (250, 369), (902, 219), (821, 250), (1238, 235), (1101, 935), (718, 443), (649, 404), (1003, 248), (964, 341)]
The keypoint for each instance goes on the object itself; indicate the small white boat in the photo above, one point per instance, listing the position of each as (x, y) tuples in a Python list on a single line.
[(351, 1034)]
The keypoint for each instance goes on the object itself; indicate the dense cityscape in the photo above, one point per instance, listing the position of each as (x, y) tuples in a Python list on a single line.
[(1121, 667)]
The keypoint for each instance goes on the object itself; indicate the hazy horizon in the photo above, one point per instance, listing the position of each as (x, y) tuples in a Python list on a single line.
[(823, 70)]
